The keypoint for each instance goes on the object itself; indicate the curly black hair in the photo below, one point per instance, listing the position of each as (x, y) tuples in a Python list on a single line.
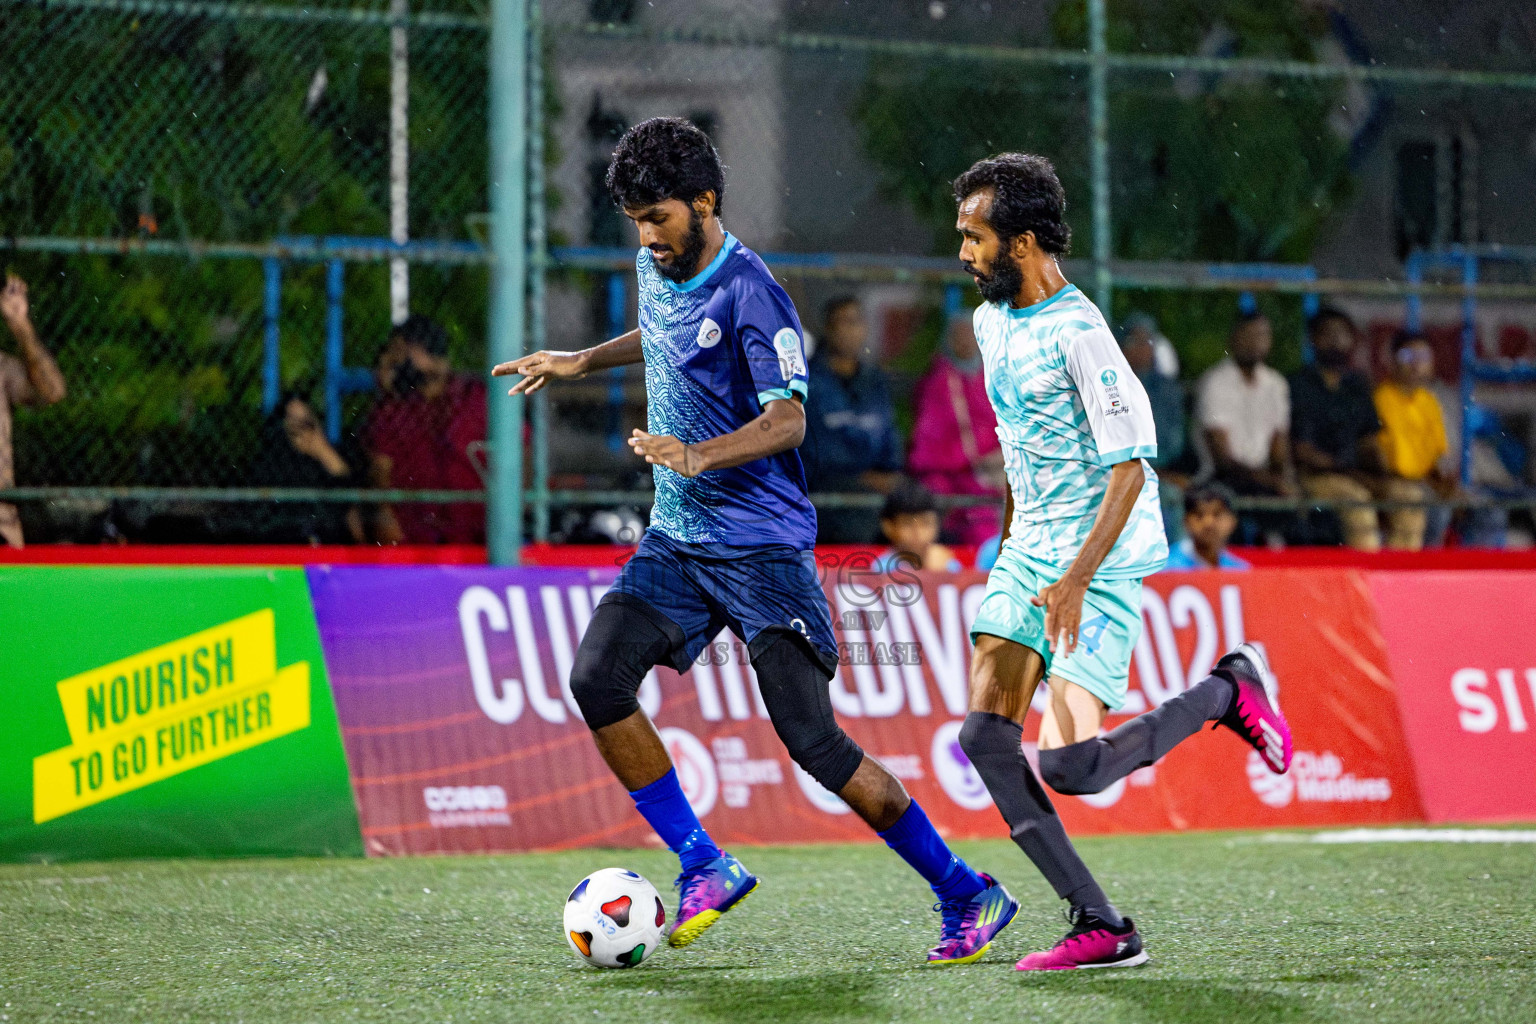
[(665, 158), (1026, 196)]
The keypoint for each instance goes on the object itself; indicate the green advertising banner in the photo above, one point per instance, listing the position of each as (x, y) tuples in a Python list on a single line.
[(166, 712)]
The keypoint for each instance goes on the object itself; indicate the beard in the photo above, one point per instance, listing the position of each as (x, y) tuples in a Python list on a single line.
[(1333, 359), (686, 263), (1004, 282)]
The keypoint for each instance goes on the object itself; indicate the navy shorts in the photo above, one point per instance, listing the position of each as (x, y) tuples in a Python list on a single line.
[(700, 589)]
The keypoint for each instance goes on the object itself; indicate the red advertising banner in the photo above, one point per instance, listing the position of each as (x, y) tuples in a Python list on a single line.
[(451, 686), (1463, 653)]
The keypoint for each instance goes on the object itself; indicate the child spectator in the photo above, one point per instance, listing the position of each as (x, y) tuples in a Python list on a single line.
[(1208, 524), (910, 522)]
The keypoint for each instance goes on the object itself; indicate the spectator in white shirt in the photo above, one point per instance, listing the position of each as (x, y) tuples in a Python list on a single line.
[(1243, 410)]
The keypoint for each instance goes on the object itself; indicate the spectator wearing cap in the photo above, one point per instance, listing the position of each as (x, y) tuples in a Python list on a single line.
[(30, 378), (954, 435), (418, 437), (910, 522), (851, 444), (1208, 525)]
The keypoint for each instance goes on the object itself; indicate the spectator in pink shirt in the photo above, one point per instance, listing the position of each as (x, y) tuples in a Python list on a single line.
[(954, 438)]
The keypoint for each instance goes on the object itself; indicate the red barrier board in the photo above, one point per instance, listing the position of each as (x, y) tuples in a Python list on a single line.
[(1318, 628), (1463, 653), (452, 689)]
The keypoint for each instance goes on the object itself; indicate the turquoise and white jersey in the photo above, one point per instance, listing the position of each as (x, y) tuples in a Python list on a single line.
[(1068, 408)]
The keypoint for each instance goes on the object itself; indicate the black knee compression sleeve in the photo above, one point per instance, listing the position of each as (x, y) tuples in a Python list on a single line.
[(622, 643), (992, 742), (794, 681)]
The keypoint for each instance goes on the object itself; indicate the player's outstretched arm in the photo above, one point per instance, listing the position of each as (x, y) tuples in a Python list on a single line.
[(539, 368), (780, 428), (1063, 600)]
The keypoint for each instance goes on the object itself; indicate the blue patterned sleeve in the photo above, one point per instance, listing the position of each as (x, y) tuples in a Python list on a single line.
[(772, 341)]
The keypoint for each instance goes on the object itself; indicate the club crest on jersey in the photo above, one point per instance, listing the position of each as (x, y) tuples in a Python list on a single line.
[(791, 360), (709, 333)]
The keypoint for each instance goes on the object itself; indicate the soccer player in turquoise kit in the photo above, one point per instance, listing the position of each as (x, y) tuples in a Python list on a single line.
[(1081, 529), (730, 539)]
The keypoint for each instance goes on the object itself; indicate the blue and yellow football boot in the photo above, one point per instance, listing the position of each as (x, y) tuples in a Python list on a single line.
[(706, 893)]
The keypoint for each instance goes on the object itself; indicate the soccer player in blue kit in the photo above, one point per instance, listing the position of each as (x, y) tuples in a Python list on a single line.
[(1082, 528), (730, 539)]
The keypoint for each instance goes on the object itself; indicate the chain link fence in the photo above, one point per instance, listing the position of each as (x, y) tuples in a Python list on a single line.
[(200, 135), (158, 158)]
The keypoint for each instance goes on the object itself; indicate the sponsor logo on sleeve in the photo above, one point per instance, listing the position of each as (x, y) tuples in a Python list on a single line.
[(709, 334), (1114, 402), (791, 358)]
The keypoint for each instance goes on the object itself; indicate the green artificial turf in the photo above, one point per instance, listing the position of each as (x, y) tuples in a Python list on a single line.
[(1240, 928)]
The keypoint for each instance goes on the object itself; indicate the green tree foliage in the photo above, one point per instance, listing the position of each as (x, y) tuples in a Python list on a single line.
[(1203, 167), (186, 128)]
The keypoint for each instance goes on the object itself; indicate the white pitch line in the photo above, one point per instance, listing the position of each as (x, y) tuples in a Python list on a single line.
[(1427, 835)]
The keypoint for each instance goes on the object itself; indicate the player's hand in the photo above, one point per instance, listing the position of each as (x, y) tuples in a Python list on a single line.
[(13, 300), (1063, 604), (539, 368), (667, 451)]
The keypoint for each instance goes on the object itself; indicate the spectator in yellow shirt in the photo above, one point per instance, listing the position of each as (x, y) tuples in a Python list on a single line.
[(1412, 439)]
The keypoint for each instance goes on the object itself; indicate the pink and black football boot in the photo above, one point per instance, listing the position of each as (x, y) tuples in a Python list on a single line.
[(1255, 711), (1090, 943)]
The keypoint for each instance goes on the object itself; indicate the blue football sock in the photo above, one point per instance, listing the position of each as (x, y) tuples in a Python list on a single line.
[(914, 838), (664, 806)]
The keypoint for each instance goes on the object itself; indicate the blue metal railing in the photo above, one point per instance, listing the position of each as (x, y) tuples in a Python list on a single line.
[(334, 250), (1468, 259)]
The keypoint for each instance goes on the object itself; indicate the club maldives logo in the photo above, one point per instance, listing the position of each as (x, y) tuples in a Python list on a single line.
[(695, 769), (168, 710), (958, 777), (1314, 778)]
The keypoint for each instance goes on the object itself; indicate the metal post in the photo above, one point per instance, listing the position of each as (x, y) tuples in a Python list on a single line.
[(509, 271), (399, 158), (538, 244), (1098, 117), (1469, 361), (618, 307), (271, 370), (335, 289)]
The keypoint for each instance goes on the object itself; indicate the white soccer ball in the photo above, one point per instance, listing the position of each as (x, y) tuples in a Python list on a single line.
[(613, 918)]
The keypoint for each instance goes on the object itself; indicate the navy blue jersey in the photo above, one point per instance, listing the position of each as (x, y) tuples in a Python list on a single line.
[(717, 349)]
